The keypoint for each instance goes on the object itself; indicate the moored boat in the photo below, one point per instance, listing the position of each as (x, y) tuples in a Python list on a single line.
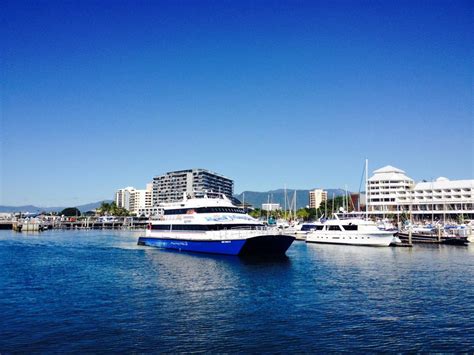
[(212, 224), (351, 231), (433, 236)]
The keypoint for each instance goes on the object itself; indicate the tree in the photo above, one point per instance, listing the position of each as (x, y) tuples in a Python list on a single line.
[(104, 208), (71, 212), (302, 214), (256, 213)]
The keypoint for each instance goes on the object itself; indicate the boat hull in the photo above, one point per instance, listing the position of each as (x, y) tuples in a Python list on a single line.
[(433, 239), (259, 245), (375, 240)]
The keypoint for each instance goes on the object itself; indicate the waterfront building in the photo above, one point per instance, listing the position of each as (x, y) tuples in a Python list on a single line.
[(141, 199), (123, 197), (391, 192), (316, 197), (172, 186), (134, 199), (149, 211), (271, 206)]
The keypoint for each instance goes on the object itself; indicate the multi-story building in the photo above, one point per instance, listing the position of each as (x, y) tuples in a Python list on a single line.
[(271, 206), (316, 197), (141, 199), (173, 185), (391, 191), (133, 199), (123, 197)]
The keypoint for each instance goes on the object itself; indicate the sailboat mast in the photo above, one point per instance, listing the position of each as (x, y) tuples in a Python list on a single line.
[(367, 188), (295, 203)]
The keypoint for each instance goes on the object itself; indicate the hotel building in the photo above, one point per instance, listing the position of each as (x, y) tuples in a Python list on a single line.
[(134, 200), (123, 196), (173, 185), (316, 197), (390, 192)]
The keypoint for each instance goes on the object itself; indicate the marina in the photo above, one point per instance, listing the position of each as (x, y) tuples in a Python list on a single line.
[(193, 177)]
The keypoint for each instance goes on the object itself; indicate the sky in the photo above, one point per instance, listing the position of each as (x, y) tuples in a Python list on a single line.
[(99, 95)]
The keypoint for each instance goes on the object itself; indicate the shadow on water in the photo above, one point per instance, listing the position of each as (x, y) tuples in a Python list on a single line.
[(231, 259), (265, 260)]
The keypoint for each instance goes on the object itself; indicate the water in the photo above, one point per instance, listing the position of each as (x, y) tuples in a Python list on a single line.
[(99, 291)]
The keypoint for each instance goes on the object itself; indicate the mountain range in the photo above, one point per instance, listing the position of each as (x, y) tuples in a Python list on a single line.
[(36, 209), (256, 199)]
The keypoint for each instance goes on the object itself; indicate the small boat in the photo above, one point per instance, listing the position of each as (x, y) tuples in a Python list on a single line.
[(433, 236), (212, 224), (353, 231)]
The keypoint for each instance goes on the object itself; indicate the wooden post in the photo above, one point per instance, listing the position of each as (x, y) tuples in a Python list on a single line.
[(439, 234)]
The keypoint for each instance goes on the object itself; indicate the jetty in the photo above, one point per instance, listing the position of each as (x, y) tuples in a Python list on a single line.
[(40, 225)]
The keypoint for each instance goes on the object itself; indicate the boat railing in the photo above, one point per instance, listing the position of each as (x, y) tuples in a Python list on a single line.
[(225, 234)]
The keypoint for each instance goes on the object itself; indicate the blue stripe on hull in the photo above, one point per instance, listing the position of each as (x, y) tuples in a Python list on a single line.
[(227, 247)]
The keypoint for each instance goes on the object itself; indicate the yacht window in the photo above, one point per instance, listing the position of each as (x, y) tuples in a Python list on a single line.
[(350, 227), (334, 228)]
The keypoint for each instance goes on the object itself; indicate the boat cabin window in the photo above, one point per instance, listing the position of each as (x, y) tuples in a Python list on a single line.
[(307, 227), (205, 210), (161, 227), (350, 227), (204, 227), (334, 228)]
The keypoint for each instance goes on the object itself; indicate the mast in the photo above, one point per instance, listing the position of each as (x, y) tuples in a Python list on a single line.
[(347, 199), (268, 206), (326, 208), (366, 188), (332, 208), (295, 203)]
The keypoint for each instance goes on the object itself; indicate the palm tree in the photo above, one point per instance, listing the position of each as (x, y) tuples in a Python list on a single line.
[(104, 208)]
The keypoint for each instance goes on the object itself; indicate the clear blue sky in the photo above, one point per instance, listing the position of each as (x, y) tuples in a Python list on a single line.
[(99, 95)]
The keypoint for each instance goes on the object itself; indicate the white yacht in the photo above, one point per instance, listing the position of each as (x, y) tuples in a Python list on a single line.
[(212, 224), (353, 231)]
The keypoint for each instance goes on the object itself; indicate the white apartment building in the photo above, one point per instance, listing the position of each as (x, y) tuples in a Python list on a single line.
[(123, 196), (316, 197), (271, 206), (150, 211), (391, 191), (133, 199)]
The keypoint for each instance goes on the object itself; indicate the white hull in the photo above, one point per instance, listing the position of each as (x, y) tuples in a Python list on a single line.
[(220, 235), (348, 238)]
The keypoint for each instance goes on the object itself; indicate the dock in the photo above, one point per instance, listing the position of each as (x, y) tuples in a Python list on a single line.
[(82, 224)]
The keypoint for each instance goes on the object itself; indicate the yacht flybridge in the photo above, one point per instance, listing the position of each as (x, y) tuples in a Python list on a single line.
[(209, 223)]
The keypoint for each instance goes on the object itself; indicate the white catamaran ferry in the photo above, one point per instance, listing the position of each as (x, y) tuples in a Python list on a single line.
[(353, 231), (213, 225)]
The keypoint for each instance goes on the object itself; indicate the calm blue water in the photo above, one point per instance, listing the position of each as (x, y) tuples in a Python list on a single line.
[(99, 291)]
